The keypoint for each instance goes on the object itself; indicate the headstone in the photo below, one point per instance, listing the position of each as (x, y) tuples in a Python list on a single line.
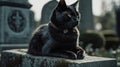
[(47, 10), (86, 22), (117, 12), (16, 21), (19, 58)]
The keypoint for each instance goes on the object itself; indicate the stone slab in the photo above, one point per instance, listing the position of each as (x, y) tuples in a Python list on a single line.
[(19, 58), (13, 46), (15, 2)]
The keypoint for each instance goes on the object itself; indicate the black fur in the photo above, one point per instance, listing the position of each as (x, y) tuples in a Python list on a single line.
[(58, 38)]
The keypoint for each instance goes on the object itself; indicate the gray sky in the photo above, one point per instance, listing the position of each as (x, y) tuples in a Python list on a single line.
[(38, 4)]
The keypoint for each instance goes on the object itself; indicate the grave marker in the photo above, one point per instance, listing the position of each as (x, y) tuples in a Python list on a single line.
[(16, 21)]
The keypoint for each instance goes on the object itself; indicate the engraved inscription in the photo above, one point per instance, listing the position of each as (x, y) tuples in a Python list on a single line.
[(16, 21)]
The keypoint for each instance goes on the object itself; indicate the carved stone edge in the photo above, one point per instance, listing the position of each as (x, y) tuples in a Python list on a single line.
[(19, 58)]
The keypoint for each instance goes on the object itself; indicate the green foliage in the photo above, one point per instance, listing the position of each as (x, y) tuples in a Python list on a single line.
[(112, 40), (91, 37)]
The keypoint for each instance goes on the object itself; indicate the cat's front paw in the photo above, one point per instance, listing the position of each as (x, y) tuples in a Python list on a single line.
[(80, 54), (71, 55)]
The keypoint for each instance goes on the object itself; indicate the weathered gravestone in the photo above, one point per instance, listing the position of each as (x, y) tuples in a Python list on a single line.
[(86, 22), (47, 10), (117, 12), (19, 58), (15, 23)]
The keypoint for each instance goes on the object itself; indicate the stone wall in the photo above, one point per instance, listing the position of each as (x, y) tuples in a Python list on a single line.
[(19, 58)]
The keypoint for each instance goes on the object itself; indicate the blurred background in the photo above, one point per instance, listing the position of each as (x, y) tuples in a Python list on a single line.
[(99, 25)]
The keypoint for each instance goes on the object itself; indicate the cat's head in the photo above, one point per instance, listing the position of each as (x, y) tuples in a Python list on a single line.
[(64, 16)]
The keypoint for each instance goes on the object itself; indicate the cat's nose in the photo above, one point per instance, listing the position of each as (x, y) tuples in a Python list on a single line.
[(75, 19), (75, 23)]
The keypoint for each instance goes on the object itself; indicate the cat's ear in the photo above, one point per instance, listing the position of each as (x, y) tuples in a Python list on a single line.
[(61, 5), (75, 4)]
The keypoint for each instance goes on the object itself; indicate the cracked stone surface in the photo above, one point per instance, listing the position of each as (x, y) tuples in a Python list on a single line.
[(19, 58)]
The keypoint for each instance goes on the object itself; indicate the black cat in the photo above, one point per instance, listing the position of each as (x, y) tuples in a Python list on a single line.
[(58, 38)]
